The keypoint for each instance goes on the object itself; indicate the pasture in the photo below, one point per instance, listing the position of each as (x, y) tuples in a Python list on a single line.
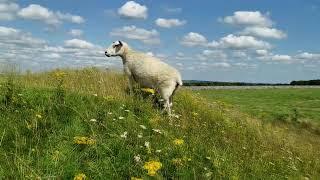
[(82, 123), (273, 105)]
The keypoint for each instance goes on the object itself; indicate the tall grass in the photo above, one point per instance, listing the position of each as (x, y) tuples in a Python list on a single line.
[(49, 112)]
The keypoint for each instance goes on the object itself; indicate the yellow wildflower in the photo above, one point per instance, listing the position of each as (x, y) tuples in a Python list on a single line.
[(84, 140), (39, 116), (152, 167), (178, 141), (135, 178), (80, 176), (148, 90), (59, 74)]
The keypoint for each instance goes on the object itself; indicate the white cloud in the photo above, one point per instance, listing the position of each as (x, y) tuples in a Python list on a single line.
[(194, 39), (168, 23), (264, 32), (78, 43), (76, 32), (281, 57), (173, 10), (8, 11), (262, 52), (132, 32), (133, 10), (70, 18), (252, 18), (214, 55), (37, 12), (239, 54), (221, 64), (52, 56), (308, 56), (242, 42), (11, 36)]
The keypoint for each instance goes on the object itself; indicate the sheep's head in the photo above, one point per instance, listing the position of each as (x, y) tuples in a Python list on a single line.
[(117, 48)]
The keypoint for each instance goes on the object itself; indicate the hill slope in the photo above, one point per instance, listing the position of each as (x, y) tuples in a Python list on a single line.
[(83, 123)]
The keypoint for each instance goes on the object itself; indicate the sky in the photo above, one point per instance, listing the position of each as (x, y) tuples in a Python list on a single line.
[(218, 40)]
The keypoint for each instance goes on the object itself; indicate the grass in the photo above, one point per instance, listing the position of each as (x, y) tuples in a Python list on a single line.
[(272, 104), (43, 115)]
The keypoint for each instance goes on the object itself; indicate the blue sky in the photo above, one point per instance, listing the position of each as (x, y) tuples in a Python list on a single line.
[(252, 41)]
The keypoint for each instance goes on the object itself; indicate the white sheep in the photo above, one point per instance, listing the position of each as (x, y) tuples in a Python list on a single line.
[(147, 71)]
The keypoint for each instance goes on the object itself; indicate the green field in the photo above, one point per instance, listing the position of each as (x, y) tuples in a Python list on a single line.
[(301, 105), (76, 123)]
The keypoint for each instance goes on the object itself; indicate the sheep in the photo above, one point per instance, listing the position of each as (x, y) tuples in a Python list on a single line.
[(147, 71)]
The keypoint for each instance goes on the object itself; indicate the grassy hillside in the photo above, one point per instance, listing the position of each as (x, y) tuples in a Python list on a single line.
[(62, 125), (288, 105)]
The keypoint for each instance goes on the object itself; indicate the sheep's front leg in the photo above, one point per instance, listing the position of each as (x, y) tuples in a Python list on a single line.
[(131, 80)]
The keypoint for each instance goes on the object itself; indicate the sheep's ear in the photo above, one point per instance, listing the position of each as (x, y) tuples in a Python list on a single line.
[(120, 43)]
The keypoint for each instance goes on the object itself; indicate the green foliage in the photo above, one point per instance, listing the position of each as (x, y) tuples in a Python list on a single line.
[(119, 134)]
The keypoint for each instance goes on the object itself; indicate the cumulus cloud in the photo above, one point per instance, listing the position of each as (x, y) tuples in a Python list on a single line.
[(281, 57), (264, 32), (262, 52), (214, 55), (252, 18), (194, 39), (133, 10), (8, 10), (308, 56), (76, 32), (133, 32), (242, 42), (173, 10), (11, 36), (168, 23), (40, 13), (221, 64), (78, 43)]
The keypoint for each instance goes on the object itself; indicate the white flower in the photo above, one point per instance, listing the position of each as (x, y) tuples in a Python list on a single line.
[(124, 135), (93, 120), (157, 131), (147, 144), (127, 110), (109, 113), (209, 158), (95, 95), (158, 151), (137, 158), (121, 117), (143, 127), (114, 119), (18, 94), (140, 135)]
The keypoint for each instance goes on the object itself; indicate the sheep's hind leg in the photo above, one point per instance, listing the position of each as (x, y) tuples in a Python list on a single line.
[(166, 94)]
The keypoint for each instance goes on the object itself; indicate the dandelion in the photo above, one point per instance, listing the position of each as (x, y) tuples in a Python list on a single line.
[(93, 120), (152, 167), (143, 127), (59, 74), (148, 90), (137, 158), (178, 142), (82, 140), (121, 117), (108, 98), (39, 116), (80, 176), (124, 135), (157, 131)]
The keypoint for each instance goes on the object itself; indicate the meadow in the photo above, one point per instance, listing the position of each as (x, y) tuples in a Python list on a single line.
[(300, 106), (69, 124)]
